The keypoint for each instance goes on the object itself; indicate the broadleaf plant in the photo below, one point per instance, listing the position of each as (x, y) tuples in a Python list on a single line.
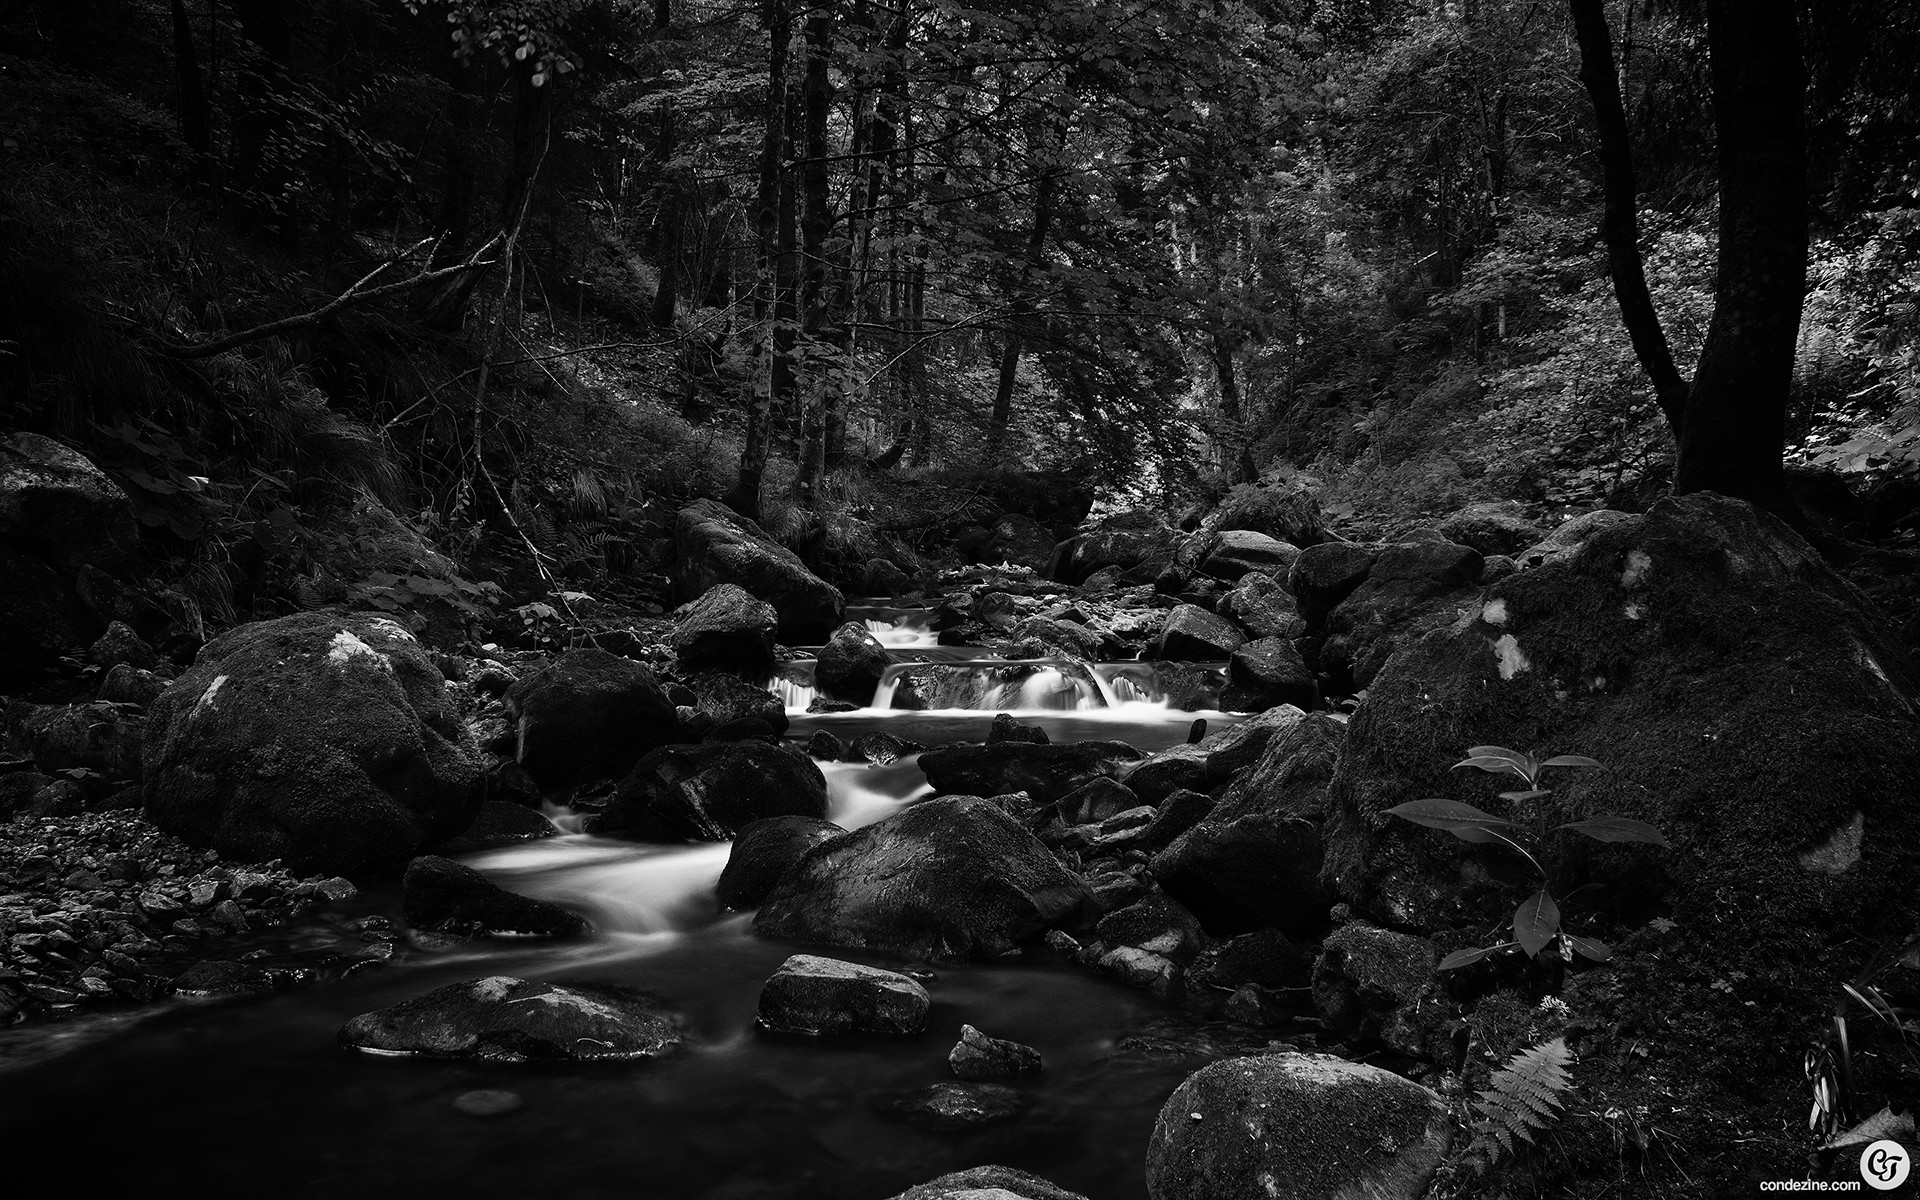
[(1536, 922)]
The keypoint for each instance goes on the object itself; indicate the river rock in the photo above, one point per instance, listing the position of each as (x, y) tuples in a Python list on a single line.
[(1377, 987), (501, 823), (978, 1057), (764, 851), (1265, 958), (1247, 873), (947, 879), (1157, 924), (988, 1183), (441, 894), (1414, 588), (878, 749), (1045, 772), (725, 628), (1326, 574), (60, 506), (735, 705), (1044, 637), (1283, 509), (1164, 772), (517, 1020), (1005, 728), (1096, 800), (1126, 543), (589, 715), (221, 977), (1240, 552), (324, 740), (1492, 527), (121, 645), (950, 1107), (1267, 672), (1179, 812), (710, 791), (1305, 1126), (1262, 605), (817, 996), (1019, 540), (851, 664), (1292, 774), (825, 746), (130, 685), (65, 737), (1572, 536), (1193, 634), (717, 545)]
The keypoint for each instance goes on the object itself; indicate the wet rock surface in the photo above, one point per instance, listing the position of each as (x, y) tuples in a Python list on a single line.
[(589, 715), (445, 895), (825, 996), (764, 852), (503, 1019), (979, 1057)]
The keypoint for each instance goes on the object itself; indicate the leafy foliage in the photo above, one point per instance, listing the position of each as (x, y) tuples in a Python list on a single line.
[(1526, 1094)]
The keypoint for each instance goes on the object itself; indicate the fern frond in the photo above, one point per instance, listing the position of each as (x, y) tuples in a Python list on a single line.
[(1526, 1094)]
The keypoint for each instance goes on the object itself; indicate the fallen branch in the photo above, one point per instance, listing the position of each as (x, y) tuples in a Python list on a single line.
[(359, 293)]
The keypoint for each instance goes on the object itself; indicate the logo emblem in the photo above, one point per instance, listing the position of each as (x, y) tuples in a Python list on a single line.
[(1884, 1165)]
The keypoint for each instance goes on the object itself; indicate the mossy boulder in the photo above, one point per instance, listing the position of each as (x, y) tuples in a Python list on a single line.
[(851, 664), (717, 545), (325, 740), (709, 792), (1297, 1127), (726, 628), (588, 715)]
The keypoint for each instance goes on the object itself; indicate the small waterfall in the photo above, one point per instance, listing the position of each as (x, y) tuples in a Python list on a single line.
[(989, 685), (896, 627), (793, 683), (1188, 687)]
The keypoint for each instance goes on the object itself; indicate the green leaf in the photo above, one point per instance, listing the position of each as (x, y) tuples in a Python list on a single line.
[(1618, 829), (1535, 794), (1535, 922), (1495, 765), (1590, 948), (1571, 760), (1466, 958), (1461, 820)]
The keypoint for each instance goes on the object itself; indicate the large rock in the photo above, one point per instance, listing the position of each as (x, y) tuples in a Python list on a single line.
[(1267, 672), (851, 664), (1326, 574), (978, 1057), (765, 851), (739, 707), (711, 791), (1492, 527), (1286, 510), (1127, 546), (1262, 605), (1377, 987), (439, 893), (816, 996), (1246, 873), (60, 506), (988, 1183), (1297, 1127), (589, 715), (325, 740), (1019, 540), (1292, 773), (947, 879), (1195, 635), (726, 628), (1045, 772), (1413, 588), (1240, 552), (1749, 703), (717, 545), (517, 1020)]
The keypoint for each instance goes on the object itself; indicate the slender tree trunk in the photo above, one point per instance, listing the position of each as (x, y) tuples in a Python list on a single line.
[(753, 452), (445, 308), (1620, 225), (1002, 415), (196, 114), (816, 99), (786, 303), (667, 246), (1735, 430), (1234, 451)]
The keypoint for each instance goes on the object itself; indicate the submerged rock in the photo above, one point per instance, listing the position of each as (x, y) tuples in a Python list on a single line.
[(950, 1107), (1044, 772), (441, 894), (947, 879), (323, 740), (816, 996), (1305, 1126), (978, 1057), (516, 1020)]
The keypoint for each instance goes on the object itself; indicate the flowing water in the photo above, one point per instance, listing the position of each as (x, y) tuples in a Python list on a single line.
[(255, 1094)]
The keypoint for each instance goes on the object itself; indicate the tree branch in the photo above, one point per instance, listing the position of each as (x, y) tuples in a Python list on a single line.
[(358, 294)]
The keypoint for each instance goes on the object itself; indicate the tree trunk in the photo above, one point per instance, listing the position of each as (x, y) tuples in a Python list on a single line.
[(1735, 429), (1620, 224), (445, 308), (1002, 415), (745, 498), (816, 99), (196, 114), (667, 245), (1235, 459)]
